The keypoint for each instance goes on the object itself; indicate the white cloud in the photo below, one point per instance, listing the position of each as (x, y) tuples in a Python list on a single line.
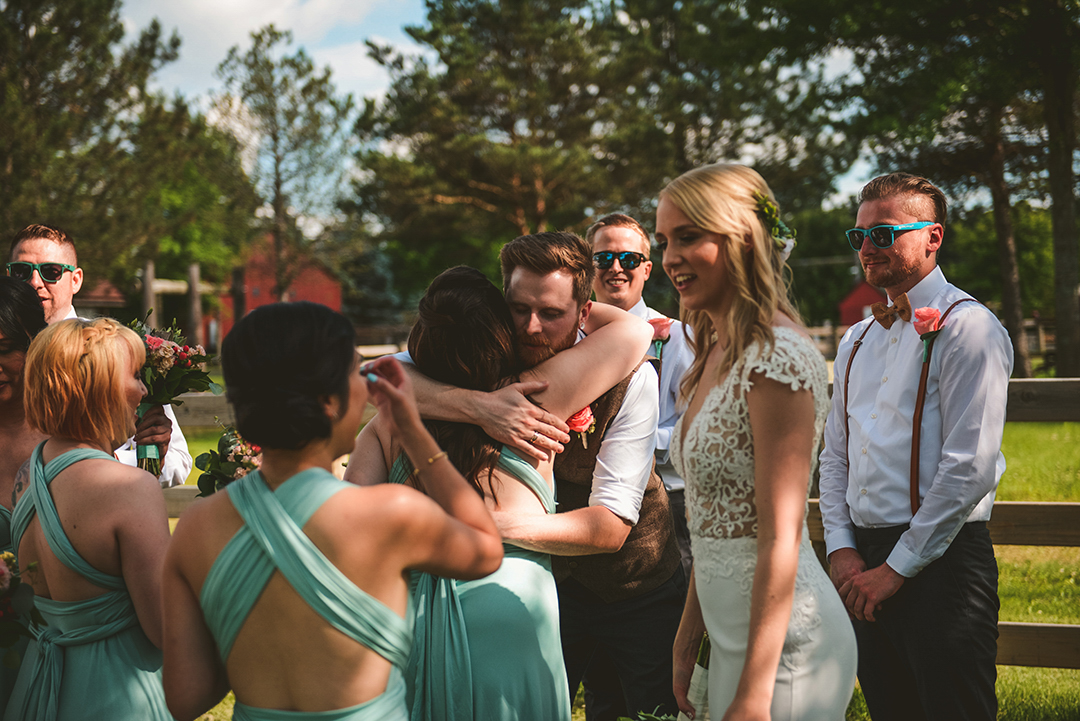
[(332, 31)]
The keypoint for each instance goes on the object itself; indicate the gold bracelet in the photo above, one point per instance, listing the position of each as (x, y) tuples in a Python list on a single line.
[(430, 461)]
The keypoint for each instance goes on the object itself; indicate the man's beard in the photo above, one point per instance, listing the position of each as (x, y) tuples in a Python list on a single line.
[(893, 276), (535, 349)]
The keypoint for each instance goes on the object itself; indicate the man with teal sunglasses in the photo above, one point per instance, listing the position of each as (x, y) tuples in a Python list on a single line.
[(910, 467)]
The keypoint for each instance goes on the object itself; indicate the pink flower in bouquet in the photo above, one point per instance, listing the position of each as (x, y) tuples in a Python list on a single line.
[(661, 328), (926, 320), (153, 342)]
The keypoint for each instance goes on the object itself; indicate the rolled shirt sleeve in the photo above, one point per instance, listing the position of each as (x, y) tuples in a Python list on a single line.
[(625, 458)]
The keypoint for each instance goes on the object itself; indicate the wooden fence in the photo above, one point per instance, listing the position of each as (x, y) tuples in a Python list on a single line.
[(1012, 523)]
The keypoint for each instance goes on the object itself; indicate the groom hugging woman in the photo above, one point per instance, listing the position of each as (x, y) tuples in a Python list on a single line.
[(498, 378)]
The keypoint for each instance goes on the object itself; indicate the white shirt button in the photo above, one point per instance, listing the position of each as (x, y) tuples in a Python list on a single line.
[(863, 491), (893, 340), (885, 379), (864, 451), (873, 415)]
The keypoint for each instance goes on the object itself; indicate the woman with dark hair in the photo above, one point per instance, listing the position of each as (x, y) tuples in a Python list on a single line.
[(95, 529), (296, 603), (21, 318), (490, 649)]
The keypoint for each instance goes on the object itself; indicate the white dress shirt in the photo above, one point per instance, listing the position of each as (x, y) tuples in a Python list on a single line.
[(960, 460), (177, 463), (676, 356)]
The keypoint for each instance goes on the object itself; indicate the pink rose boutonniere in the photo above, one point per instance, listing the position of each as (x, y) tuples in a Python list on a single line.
[(927, 322), (661, 333), (582, 422)]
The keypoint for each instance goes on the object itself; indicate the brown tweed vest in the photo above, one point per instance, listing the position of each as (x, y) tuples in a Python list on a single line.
[(650, 554)]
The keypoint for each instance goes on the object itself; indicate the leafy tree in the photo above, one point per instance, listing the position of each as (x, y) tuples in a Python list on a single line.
[(193, 203), (704, 84), (824, 269), (535, 115), (70, 91), (289, 113)]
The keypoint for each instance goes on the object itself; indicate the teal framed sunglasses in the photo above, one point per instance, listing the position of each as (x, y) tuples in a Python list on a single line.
[(49, 272), (882, 236)]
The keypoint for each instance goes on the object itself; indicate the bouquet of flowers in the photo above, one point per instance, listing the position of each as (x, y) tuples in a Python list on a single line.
[(16, 599), (172, 367), (233, 459)]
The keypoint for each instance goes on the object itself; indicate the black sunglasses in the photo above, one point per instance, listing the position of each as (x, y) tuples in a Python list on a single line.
[(881, 236), (49, 272), (628, 259)]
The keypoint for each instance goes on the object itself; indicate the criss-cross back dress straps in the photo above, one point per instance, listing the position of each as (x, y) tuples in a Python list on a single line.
[(284, 546)]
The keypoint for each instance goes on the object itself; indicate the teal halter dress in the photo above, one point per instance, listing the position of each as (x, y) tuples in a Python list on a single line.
[(92, 660), (272, 539), (489, 649)]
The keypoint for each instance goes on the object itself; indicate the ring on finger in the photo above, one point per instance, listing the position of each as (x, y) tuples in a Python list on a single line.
[(536, 437)]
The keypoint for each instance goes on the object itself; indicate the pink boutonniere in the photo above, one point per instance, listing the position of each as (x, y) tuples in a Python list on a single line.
[(661, 333), (584, 423), (927, 322)]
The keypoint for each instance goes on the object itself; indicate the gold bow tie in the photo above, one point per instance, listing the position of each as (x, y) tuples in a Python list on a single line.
[(886, 315)]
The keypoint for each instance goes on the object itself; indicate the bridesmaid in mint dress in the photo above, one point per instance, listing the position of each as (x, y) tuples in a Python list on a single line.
[(289, 588), (21, 318), (489, 649), (97, 531)]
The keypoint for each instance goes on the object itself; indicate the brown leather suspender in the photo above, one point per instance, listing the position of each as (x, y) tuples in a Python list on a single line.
[(920, 401)]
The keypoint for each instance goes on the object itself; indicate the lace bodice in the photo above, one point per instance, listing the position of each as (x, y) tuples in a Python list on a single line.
[(716, 457)]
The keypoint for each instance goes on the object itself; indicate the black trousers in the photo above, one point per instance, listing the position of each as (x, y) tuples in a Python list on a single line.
[(930, 654), (634, 636)]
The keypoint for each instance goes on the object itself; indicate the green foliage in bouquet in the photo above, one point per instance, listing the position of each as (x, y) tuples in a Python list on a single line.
[(233, 459), (16, 603), (172, 367)]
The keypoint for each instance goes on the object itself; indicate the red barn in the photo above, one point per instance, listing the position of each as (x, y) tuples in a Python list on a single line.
[(313, 282), (856, 305)]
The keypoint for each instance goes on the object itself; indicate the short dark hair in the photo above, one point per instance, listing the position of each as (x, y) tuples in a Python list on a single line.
[(278, 361), (464, 336), (21, 314), (893, 184), (618, 220), (545, 253), (43, 232)]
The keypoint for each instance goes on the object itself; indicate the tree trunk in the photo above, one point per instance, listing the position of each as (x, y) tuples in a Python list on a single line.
[(1058, 76), (149, 299), (195, 332), (1011, 307), (239, 294)]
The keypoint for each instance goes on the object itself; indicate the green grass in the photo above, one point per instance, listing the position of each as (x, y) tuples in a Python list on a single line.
[(1042, 462)]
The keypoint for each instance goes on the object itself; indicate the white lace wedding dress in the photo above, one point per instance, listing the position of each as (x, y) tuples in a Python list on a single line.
[(816, 673)]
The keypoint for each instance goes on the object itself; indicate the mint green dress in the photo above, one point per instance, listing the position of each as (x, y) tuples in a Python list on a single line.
[(500, 632), (92, 660), (272, 539)]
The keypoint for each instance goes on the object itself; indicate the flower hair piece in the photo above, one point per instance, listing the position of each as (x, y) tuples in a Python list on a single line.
[(782, 235)]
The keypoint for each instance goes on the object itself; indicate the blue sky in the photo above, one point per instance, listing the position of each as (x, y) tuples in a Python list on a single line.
[(332, 31)]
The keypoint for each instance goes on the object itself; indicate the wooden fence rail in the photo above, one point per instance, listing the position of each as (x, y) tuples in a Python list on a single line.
[(1052, 645)]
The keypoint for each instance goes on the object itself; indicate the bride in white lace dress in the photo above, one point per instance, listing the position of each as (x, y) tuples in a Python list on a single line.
[(782, 644)]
